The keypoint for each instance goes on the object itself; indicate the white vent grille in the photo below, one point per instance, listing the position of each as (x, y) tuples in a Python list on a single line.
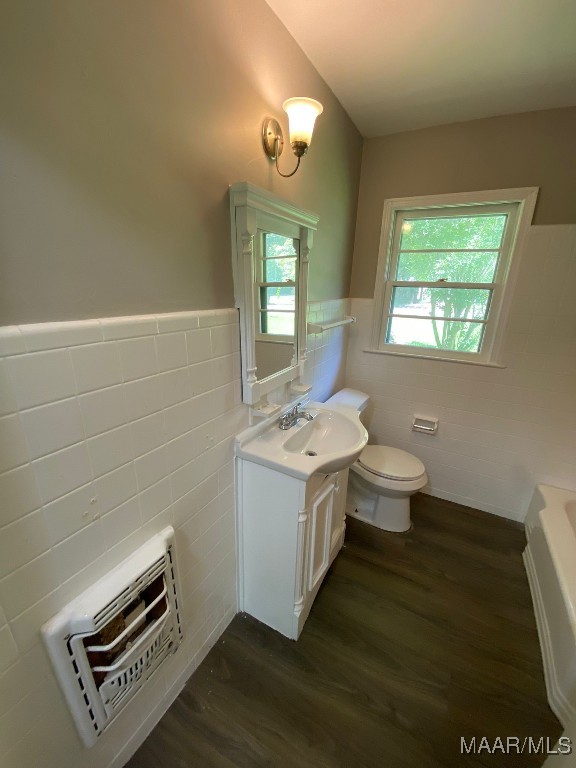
[(112, 638)]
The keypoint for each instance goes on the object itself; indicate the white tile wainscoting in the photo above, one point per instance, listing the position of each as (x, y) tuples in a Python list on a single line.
[(110, 430), (325, 352), (326, 363), (501, 430)]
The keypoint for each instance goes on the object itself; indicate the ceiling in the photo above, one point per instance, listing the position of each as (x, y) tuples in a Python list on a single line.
[(398, 65)]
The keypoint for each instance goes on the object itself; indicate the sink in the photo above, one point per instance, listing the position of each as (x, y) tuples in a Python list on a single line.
[(330, 435), (332, 441)]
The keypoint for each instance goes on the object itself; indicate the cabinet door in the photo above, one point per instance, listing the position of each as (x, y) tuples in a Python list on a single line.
[(321, 507)]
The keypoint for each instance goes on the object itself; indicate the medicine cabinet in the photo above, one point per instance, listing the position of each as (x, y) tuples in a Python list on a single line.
[(271, 243)]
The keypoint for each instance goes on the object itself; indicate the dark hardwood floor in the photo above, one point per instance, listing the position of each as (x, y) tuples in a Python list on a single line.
[(415, 641)]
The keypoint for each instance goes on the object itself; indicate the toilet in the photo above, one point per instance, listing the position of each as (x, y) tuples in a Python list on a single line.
[(382, 479)]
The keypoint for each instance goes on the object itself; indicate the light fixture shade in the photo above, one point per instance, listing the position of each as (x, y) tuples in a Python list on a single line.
[(302, 114)]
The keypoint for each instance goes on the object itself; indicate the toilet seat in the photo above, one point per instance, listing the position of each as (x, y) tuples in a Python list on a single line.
[(391, 463)]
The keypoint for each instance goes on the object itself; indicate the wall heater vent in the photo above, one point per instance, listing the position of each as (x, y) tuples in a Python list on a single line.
[(107, 642)]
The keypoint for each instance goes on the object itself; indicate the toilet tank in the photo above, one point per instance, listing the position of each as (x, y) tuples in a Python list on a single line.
[(352, 398)]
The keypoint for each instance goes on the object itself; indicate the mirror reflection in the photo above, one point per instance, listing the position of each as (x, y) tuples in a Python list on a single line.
[(277, 258)]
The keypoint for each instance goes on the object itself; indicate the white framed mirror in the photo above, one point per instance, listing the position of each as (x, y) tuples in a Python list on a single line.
[(271, 243)]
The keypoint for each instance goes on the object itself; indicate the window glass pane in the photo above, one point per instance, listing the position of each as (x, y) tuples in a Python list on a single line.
[(279, 270), (277, 323), (476, 267), (278, 245), (461, 303), (436, 334), (482, 231), (278, 298)]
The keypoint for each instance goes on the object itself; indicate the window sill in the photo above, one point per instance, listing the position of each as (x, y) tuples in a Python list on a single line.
[(484, 363)]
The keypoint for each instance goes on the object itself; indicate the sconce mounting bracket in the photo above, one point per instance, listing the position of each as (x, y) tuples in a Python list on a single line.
[(272, 138)]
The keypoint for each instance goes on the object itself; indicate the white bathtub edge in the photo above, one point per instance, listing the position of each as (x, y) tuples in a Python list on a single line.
[(556, 699)]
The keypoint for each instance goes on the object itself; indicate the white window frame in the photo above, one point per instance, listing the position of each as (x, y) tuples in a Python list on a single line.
[(518, 204)]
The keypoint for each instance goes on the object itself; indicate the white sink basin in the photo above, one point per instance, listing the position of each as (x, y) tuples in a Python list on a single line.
[(332, 441)]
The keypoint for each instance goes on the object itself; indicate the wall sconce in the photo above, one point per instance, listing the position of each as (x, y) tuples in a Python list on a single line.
[(302, 114)]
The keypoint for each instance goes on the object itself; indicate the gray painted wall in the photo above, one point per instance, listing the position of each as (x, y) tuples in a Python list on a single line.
[(534, 149), (122, 126)]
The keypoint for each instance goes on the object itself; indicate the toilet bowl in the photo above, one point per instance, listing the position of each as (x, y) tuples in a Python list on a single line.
[(382, 479)]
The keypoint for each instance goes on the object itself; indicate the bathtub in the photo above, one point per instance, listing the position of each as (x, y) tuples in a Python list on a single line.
[(550, 560)]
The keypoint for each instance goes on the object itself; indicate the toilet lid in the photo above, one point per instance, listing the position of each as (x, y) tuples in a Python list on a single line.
[(391, 462)]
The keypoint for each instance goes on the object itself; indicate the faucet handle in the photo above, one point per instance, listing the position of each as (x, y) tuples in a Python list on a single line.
[(285, 420)]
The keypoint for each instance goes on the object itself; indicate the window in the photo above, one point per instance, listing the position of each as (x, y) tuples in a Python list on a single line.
[(444, 265), (277, 284)]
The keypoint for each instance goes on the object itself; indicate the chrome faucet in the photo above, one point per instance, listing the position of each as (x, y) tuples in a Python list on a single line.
[(290, 418)]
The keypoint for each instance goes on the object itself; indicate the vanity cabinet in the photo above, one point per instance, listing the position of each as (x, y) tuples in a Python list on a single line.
[(290, 531)]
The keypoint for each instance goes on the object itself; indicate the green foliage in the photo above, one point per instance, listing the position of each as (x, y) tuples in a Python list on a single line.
[(277, 269), (444, 233)]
